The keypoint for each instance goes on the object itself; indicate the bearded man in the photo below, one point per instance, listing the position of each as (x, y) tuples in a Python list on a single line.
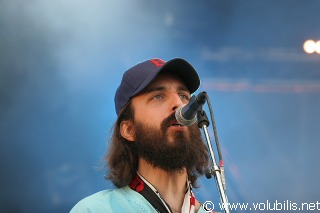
[(152, 160)]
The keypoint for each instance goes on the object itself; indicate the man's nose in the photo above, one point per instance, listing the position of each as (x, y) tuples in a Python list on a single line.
[(176, 102)]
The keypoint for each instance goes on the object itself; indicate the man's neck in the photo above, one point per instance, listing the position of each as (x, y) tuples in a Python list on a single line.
[(171, 185)]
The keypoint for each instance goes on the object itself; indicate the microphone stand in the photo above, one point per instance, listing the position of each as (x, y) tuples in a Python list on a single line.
[(203, 123)]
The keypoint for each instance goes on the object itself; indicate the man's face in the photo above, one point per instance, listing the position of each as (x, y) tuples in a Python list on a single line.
[(159, 100), (157, 136)]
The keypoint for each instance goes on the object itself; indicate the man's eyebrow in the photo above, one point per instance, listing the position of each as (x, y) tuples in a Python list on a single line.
[(153, 89), (162, 88), (183, 88)]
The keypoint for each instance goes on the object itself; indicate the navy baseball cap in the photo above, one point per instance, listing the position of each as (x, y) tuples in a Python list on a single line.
[(138, 77)]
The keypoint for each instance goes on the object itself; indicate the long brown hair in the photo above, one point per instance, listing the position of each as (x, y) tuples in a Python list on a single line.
[(122, 162)]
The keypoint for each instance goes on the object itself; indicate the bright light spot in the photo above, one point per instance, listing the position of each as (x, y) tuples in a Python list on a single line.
[(318, 47), (309, 46)]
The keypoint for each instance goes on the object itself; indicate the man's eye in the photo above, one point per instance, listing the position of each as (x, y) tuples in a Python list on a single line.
[(157, 96), (184, 97)]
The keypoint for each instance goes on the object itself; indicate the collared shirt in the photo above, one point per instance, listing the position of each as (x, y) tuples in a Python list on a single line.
[(148, 191), (116, 200)]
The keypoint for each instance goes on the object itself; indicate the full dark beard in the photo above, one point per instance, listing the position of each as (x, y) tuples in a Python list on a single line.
[(152, 145)]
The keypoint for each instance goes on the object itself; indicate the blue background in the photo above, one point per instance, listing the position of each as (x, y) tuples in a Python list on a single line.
[(61, 62)]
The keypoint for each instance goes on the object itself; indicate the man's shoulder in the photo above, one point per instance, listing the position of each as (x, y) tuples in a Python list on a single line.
[(102, 197), (113, 200)]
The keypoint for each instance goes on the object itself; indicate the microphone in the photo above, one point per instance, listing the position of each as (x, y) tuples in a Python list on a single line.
[(186, 114)]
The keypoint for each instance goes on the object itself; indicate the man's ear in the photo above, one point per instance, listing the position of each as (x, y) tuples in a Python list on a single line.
[(127, 131)]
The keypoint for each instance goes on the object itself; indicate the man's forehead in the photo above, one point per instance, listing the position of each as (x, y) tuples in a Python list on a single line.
[(165, 81)]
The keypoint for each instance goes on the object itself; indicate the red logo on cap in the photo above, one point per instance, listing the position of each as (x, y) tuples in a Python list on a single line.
[(158, 62)]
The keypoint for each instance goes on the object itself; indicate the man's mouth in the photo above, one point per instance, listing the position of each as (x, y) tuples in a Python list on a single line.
[(175, 123), (170, 121)]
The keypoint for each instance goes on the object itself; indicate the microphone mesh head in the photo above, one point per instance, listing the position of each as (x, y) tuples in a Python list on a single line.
[(181, 120)]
